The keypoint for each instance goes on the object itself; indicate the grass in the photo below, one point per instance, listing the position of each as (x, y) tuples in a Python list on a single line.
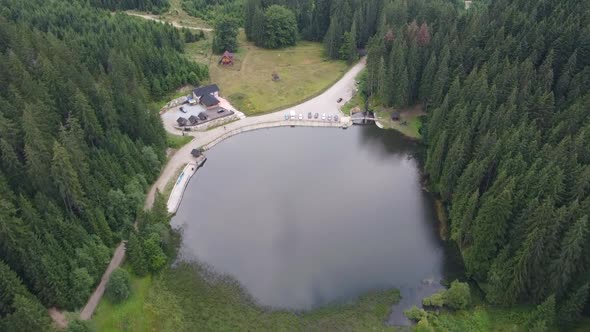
[(409, 123), (200, 51), (130, 315), (176, 142), (181, 299), (304, 72), (480, 318)]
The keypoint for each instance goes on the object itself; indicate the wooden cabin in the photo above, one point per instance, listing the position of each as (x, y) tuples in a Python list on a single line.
[(227, 58)]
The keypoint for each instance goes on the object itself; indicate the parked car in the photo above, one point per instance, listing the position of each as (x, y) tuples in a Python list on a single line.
[(335, 118), (182, 109), (323, 116), (315, 116), (309, 115), (330, 117), (300, 116), (339, 100), (286, 116), (292, 115), (220, 111)]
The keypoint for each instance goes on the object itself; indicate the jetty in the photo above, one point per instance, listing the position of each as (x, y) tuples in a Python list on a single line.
[(178, 190)]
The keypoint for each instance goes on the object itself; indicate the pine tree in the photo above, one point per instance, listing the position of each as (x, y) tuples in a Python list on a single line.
[(65, 179)]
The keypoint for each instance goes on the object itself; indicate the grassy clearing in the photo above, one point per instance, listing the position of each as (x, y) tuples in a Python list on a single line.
[(481, 318), (131, 315), (180, 299), (409, 123), (303, 70), (200, 51), (176, 142)]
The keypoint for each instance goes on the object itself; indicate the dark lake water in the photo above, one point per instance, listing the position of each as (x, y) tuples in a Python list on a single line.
[(304, 217)]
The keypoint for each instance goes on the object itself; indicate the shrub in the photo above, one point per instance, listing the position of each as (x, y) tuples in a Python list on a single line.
[(435, 300), (458, 296), (118, 288), (78, 326), (415, 313)]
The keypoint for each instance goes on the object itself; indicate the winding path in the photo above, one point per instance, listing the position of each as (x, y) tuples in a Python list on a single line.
[(323, 103)]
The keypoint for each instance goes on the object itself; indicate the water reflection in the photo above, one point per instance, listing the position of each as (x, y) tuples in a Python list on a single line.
[(303, 217)]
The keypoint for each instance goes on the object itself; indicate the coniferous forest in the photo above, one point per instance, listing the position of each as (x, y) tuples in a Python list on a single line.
[(505, 85), (78, 145)]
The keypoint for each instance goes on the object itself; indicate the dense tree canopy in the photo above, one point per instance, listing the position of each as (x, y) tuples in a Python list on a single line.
[(154, 6), (505, 85), (279, 28), (78, 145), (225, 37), (211, 10)]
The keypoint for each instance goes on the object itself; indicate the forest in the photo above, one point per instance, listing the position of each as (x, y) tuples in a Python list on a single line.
[(78, 145), (153, 6), (506, 88), (505, 85)]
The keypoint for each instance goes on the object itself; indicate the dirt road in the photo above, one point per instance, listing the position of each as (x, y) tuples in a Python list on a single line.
[(92, 303), (174, 23)]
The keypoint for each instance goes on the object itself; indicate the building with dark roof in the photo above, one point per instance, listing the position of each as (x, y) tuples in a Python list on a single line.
[(209, 101), (395, 116), (212, 89), (182, 121), (193, 120), (196, 153)]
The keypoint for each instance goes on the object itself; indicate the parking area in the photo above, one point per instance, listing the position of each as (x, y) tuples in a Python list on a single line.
[(312, 116), (191, 114)]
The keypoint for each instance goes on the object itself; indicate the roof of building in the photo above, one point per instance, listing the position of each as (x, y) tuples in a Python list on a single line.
[(196, 152), (193, 119), (209, 100), (228, 54), (182, 121), (206, 90)]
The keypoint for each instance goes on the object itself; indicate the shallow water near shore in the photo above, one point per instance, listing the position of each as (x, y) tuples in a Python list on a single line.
[(305, 217)]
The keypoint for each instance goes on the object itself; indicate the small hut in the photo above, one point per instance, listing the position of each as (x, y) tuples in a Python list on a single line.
[(227, 58), (193, 120), (196, 153), (395, 116), (203, 116), (182, 121)]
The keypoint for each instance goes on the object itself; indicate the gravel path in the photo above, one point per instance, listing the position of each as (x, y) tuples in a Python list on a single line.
[(175, 24), (92, 303)]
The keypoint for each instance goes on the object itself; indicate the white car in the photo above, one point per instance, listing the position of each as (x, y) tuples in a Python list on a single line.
[(330, 117), (300, 116), (323, 116), (286, 116)]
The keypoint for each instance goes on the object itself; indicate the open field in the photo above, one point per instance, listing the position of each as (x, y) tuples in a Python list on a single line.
[(303, 70), (180, 299)]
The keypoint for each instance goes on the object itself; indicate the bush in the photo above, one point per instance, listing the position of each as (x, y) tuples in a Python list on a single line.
[(458, 296), (78, 326), (119, 287), (435, 300), (415, 313)]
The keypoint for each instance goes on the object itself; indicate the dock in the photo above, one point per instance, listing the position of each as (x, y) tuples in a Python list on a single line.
[(178, 190)]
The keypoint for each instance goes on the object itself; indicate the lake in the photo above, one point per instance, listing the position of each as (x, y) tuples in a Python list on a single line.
[(305, 217)]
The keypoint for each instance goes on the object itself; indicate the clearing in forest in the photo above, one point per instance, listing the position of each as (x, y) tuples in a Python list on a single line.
[(303, 72)]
